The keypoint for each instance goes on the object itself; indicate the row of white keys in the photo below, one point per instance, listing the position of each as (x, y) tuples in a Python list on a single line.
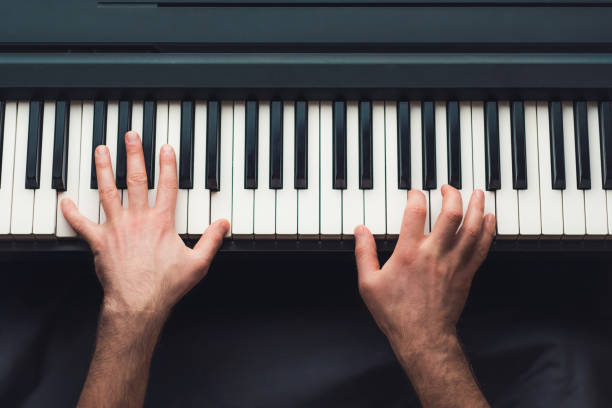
[(396, 197), (8, 160), (308, 199), (330, 199), (112, 123), (352, 196), (506, 197), (416, 156), (478, 156), (286, 197), (551, 201), (435, 195), (530, 224), (374, 200), (264, 218), (73, 175), (242, 202), (573, 199), (465, 131), (198, 216), (597, 219), (23, 198), (45, 197), (221, 201)]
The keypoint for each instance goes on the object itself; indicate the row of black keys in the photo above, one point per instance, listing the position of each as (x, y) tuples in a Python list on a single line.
[(213, 141)]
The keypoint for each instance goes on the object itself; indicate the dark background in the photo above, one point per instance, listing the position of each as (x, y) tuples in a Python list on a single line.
[(285, 330)]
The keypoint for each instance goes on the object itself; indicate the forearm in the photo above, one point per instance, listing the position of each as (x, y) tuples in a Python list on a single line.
[(119, 369), (440, 373)]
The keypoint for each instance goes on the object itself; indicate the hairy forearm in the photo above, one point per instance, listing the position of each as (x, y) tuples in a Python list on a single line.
[(119, 369), (440, 373)]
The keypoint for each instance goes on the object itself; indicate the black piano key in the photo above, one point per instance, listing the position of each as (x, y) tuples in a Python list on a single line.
[(276, 144), (124, 125), (429, 145), (32, 180), (366, 165), (557, 155), (2, 106), (492, 167), (339, 145), (301, 145), (99, 137), (186, 147), (581, 132), (213, 145), (519, 152), (605, 139), (453, 144), (403, 145), (60, 147), (251, 145), (148, 140)]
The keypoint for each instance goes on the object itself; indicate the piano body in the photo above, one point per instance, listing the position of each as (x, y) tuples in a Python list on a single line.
[(298, 120)]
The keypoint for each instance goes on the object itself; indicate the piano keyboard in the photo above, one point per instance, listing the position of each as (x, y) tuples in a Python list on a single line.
[(308, 169)]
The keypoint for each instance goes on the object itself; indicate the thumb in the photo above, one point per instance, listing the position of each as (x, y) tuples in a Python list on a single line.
[(81, 224), (210, 242), (365, 252)]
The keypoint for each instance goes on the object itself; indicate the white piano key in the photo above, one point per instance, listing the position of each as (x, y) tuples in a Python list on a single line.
[(161, 138), (137, 119), (435, 196), (597, 218), (478, 156), (242, 202), (465, 125), (112, 123), (573, 199), (89, 201), (330, 199), (23, 198), (416, 156), (221, 201), (174, 140), (199, 197), (45, 198), (63, 229), (308, 199), (265, 198), (550, 200), (530, 223), (396, 198), (374, 200), (8, 160), (286, 198), (506, 197), (352, 197)]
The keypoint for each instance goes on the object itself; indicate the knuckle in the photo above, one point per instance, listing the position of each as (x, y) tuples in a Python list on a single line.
[(453, 215), (168, 184), (417, 210), (366, 286), (108, 193), (472, 232), (137, 177)]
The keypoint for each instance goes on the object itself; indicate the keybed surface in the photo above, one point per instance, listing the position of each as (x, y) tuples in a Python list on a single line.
[(296, 169)]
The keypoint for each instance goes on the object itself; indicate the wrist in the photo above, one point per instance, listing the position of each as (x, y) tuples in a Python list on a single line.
[(130, 321), (430, 346)]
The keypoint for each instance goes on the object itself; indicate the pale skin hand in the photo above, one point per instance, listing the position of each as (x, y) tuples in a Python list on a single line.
[(144, 268), (418, 295)]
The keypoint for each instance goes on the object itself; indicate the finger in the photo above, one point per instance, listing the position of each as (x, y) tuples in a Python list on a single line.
[(167, 185), (210, 242), (365, 253), (136, 173), (107, 190), (81, 224), (413, 221), (450, 217), (481, 248), (472, 224)]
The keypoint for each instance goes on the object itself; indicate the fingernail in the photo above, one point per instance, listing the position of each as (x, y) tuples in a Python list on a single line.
[(489, 220), (132, 137), (359, 231), (101, 151), (479, 194)]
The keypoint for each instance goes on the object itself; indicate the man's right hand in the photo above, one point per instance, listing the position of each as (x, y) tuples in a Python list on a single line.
[(417, 297)]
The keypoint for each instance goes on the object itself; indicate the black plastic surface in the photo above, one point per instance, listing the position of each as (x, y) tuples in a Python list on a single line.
[(429, 145), (213, 145), (557, 151), (403, 145), (339, 146), (366, 150), (581, 134), (148, 140), (519, 152), (492, 166), (186, 148), (453, 144), (32, 180), (124, 125), (251, 144), (605, 135), (99, 137), (276, 144), (59, 176), (301, 145)]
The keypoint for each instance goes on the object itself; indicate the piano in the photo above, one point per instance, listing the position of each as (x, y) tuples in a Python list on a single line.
[(298, 120)]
